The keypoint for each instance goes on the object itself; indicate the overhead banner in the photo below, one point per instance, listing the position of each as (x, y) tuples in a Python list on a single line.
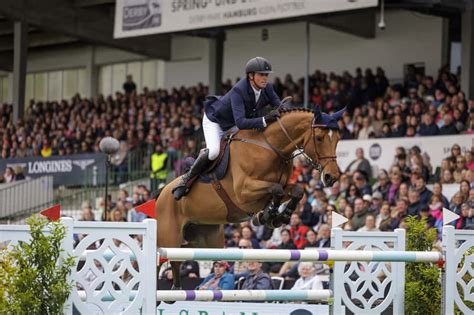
[(145, 17), (381, 152), (69, 170)]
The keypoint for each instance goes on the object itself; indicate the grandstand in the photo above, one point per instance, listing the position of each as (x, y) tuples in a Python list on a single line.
[(73, 72)]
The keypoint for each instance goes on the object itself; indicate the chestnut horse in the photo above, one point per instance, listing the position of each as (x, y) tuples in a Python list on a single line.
[(256, 181)]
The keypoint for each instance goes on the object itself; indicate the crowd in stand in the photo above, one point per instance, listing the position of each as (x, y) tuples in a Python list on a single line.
[(423, 106), (171, 122)]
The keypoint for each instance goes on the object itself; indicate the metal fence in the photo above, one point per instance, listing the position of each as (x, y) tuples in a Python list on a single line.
[(19, 197)]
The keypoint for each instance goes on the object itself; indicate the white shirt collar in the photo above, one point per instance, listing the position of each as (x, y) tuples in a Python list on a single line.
[(257, 93)]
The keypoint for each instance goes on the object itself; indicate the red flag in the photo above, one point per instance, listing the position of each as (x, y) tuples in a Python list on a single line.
[(147, 208), (53, 213)]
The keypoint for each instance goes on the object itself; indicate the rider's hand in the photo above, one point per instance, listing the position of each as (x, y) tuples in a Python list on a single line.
[(272, 116)]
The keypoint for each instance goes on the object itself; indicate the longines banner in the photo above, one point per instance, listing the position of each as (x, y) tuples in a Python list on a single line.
[(70, 170), (381, 152), (144, 17)]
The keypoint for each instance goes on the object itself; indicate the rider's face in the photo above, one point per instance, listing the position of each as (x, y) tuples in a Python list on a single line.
[(260, 80)]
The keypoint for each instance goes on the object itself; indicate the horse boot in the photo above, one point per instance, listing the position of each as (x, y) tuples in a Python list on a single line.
[(199, 166)]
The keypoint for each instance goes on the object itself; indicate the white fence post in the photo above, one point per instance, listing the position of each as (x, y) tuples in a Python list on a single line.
[(149, 249), (67, 246)]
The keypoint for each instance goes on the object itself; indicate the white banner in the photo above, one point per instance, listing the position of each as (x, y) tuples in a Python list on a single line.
[(381, 152), (144, 17), (221, 308)]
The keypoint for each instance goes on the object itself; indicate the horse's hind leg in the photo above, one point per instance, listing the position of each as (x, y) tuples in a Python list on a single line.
[(170, 230)]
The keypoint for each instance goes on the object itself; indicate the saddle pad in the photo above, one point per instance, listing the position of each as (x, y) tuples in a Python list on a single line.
[(220, 170)]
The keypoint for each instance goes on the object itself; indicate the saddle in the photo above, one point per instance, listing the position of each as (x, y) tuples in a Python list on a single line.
[(215, 173)]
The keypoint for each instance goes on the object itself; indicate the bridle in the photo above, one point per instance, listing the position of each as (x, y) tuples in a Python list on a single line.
[(322, 161)]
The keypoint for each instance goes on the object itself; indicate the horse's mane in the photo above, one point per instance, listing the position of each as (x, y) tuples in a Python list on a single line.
[(285, 110)]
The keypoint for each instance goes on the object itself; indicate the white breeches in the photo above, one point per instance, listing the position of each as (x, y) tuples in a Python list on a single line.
[(212, 134)]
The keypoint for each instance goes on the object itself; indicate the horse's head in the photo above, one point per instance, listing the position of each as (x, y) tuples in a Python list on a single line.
[(325, 136)]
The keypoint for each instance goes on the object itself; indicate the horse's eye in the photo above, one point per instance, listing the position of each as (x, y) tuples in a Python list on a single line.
[(319, 138)]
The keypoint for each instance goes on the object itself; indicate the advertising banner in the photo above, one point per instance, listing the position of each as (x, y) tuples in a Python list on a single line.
[(70, 170), (145, 17), (226, 308), (381, 152)]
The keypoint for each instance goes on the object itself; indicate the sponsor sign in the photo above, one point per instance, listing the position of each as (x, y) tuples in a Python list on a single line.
[(144, 17), (226, 308), (71, 170)]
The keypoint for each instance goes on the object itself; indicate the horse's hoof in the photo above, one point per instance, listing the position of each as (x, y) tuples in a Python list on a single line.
[(274, 224), (256, 219)]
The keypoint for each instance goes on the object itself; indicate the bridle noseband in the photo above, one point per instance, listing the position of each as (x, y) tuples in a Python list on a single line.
[(318, 164)]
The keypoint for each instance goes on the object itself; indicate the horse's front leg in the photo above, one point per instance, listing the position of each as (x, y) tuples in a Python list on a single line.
[(270, 212), (296, 194)]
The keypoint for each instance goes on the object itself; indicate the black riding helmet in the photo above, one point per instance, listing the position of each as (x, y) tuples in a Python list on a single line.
[(259, 65)]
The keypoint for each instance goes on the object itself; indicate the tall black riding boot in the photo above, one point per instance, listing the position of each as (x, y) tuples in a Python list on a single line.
[(199, 166)]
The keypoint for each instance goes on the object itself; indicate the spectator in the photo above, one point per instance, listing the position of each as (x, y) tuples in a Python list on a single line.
[(240, 266), (449, 127), (361, 181), (9, 175), (255, 278), (297, 231), (470, 220), (399, 214), (87, 214), (425, 193), (349, 214), (286, 243), (436, 207), (247, 234), (438, 191), (414, 202), (220, 279), (235, 239), (383, 218), (395, 182), (159, 172), (311, 239), (189, 269), (352, 193), (428, 127), (360, 213), (424, 214), (360, 164), (324, 236), (309, 215), (117, 216), (129, 86), (307, 280), (382, 184), (377, 201), (369, 225)]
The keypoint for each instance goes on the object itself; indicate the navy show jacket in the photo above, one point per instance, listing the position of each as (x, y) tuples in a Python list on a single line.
[(238, 108)]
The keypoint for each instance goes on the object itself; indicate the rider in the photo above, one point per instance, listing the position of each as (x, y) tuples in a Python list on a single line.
[(239, 107)]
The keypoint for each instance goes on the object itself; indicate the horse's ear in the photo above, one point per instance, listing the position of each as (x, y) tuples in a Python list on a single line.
[(317, 112), (338, 115)]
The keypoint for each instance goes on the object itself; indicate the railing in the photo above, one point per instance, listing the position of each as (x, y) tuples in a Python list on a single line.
[(17, 197)]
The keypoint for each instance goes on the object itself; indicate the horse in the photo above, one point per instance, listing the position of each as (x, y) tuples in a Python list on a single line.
[(255, 184)]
